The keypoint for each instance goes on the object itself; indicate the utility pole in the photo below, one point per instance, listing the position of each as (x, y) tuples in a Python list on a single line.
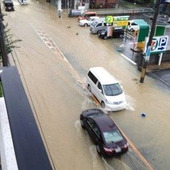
[(148, 51), (2, 42)]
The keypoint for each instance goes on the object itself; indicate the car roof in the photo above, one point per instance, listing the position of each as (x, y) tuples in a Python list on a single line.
[(103, 76), (94, 17), (104, 122)]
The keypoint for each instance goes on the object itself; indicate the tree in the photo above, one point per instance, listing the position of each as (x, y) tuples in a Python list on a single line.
[(9, 43)]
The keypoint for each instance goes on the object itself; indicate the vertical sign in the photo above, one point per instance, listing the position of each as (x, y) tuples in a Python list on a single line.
[(59, 5)]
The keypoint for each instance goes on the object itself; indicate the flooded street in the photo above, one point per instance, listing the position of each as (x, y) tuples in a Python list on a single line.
[(53, 59)]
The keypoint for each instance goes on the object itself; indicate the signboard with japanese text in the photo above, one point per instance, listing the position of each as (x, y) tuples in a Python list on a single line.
[(117, 20), (158, 44)]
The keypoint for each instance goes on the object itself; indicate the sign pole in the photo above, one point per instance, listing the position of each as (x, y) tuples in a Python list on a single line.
[(146, 59)]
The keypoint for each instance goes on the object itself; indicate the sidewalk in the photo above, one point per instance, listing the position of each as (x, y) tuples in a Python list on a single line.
[(163, 66)]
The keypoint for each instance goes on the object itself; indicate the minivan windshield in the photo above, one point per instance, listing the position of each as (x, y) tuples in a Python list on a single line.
[(112, 89)]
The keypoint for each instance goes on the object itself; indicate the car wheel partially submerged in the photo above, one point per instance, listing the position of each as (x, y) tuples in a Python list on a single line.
[(82, 124), (98, 150), (105, 37), (132, 30), (89, 88), (121, 36), (103, 104)]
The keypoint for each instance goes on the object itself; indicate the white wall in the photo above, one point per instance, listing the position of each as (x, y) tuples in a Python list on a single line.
[(8, 158)]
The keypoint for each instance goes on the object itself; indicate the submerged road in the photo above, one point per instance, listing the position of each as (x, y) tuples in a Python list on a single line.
[(53, 59)]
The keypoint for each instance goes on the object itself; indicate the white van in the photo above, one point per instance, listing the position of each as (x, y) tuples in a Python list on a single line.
[(106, 89)]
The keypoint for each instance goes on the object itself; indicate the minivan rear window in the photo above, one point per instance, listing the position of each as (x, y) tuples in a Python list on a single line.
[(92, 77), (112, 89)]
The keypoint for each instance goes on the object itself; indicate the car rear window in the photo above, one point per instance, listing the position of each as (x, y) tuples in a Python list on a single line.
[(112, 136)]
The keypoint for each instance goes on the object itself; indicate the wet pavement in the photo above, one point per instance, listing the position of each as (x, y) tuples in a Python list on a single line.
[(161, 75)]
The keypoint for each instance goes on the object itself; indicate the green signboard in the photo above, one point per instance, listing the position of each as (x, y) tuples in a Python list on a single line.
[(143, 33), (160, 30)]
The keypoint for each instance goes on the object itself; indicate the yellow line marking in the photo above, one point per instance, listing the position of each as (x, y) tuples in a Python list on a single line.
[(137, 151)]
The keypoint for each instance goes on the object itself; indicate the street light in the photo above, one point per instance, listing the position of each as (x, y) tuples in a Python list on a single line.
[(148, 51)]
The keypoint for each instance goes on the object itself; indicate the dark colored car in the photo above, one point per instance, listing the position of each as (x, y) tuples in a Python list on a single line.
[(117, 33), (105, 134), (74, 13), (9, 6)]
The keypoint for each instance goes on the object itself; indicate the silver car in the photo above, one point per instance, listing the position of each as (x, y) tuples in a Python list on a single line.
[(96, 26)]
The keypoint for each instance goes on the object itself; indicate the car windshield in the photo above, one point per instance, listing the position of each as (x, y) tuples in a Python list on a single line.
[(112, 136), (112, 89), (94, 23)]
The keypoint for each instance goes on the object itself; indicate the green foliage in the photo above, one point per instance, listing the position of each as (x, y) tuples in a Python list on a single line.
[(9, 42)]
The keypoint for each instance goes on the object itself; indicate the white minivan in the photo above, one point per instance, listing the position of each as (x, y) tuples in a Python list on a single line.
[(106, 89)]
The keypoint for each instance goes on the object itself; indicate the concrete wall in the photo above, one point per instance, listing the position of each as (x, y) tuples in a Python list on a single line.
[(155, 58)]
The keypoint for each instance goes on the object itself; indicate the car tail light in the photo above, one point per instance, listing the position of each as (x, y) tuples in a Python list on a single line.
[(108, 149), (126, 145)]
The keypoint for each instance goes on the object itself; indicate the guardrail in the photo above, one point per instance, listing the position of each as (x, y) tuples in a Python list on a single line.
[(134, 11)]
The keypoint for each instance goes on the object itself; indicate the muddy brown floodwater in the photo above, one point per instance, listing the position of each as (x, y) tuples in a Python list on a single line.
[(53, 59)]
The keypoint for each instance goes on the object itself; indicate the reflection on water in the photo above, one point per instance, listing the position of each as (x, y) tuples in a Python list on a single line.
[(130, 103)]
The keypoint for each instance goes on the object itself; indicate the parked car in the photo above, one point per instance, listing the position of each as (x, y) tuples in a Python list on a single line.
[(86, 15), (23, 2), (106, 89), (104, 132), (9, 6), (132, 26), (87, 22), (98, 25), (74, 13), (112, 33)]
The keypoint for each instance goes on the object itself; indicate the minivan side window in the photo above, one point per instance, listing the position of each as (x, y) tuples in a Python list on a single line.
[(92, 77), (99, 86)]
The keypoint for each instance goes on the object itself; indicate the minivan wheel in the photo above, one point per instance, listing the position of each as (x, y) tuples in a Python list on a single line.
[(103, 104), (85, 25), (89, 88)]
